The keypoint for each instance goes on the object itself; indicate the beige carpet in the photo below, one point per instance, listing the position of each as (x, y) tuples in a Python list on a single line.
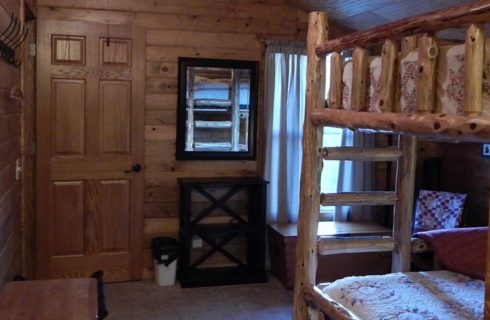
[(143, 300)]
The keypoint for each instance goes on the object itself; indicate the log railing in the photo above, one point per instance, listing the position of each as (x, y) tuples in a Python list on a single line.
[(427, 48), (441, 126), (478, 12)]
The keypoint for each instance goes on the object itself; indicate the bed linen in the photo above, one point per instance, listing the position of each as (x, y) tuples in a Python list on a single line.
[(461, 250), (433, 295)]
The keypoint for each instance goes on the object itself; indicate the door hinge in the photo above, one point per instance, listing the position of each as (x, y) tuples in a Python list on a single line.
[(32, 49), (18, 169)]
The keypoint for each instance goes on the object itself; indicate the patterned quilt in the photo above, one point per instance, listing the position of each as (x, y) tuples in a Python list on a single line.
[(433, 295)]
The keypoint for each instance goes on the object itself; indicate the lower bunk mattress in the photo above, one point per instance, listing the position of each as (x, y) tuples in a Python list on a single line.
[(433, 295)]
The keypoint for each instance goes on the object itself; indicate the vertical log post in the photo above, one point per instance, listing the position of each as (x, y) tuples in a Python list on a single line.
[(473, 71), (235, 109), (409, 43), (189, 134), (335, 92), (389, 54), (360, 65), (426, 80), (306, 250), (402, 220)]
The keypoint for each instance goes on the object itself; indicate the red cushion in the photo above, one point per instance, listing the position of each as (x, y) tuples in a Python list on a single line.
[(461, 250)]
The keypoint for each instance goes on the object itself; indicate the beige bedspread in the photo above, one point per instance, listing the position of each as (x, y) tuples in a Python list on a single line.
[(434, 295)]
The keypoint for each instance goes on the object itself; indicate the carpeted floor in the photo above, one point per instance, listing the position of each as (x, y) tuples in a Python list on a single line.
[(143, 300)]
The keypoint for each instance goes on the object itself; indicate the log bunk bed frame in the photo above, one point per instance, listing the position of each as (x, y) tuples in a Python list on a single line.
[(309, 301)]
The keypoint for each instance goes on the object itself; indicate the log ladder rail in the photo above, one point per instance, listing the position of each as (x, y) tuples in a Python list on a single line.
[(309, 301)]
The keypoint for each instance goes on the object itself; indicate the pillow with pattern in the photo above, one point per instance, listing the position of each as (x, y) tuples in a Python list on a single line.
[(438, 210)]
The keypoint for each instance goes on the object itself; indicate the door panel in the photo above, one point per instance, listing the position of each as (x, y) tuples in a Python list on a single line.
[(90, 133), (68, 214), (114, 215), (115, 111), (68, 116)]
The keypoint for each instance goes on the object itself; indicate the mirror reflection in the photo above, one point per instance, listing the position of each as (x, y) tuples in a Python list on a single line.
[(218, 109), (218, 105)]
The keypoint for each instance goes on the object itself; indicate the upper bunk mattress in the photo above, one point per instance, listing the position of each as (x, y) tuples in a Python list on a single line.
[(433, 295)]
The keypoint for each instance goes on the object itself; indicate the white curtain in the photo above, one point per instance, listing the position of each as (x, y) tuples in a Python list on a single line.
[(284, 94), (355, 176)]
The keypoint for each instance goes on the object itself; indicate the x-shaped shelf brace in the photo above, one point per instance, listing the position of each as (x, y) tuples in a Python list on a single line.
[(218, 203), (217, 246)]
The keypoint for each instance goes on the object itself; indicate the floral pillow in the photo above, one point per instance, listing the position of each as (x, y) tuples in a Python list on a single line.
[(438, 210)]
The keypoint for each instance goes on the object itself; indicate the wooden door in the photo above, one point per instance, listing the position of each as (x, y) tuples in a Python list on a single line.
[(90, 135)]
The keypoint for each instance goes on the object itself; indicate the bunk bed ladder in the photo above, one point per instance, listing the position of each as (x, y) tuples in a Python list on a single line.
[(232, 105), (401, 199), (308, 244)]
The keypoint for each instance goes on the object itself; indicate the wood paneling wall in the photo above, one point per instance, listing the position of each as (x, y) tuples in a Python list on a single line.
[(10, 205), (465, 170), (220, 29)]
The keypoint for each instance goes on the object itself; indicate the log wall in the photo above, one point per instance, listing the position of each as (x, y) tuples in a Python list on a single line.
[(465, 170), (10, 187), (219, 29)]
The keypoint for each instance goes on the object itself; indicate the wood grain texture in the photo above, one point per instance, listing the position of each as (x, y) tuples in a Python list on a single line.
[(335, 93), (92, 136), (389, 69), (430, 22), (216, 29), (76, 299), (440, 127), (306, 257), (367, 198), (360, 72), (427, 74), (361, 154), (473, 74), (10, 152), (456, 161), (28, 139), (328, 305), (328, 246), (402, 220)]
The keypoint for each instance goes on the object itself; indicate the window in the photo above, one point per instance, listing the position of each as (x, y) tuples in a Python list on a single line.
[(332, 137)]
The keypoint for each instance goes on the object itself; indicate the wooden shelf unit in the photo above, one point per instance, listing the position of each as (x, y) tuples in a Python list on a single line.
[(208, 215)]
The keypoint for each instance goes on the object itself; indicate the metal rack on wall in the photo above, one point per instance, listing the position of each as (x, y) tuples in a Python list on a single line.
[(11, 38)]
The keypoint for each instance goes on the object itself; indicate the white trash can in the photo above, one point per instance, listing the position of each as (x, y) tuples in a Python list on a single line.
[(165, 275), (165, 252)]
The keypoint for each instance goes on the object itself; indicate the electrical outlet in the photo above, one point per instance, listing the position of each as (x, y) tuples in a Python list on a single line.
[(196, 242), (486, 150)]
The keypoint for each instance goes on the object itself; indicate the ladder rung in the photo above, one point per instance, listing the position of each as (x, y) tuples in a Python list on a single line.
[(221, 146), (370, 198), (212, 124), (212, 103), (362, 154), (335, 245)]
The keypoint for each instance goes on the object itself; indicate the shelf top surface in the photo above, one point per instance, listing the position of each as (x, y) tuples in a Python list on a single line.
[(220, 180), (332, 228)]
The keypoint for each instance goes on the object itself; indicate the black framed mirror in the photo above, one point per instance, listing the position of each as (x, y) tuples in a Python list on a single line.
[(217, 109)]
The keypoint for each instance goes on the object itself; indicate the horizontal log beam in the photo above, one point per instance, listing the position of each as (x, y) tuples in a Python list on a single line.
[(478, 12), (334, 245), (361, 154), (419, 245), (369, 198), (326, 304), (442, 127)]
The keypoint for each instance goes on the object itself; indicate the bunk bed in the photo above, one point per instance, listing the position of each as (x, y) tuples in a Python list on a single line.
[(404, 91)]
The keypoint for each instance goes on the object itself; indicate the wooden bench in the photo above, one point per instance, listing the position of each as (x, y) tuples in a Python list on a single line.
[(282, 247), (59, 299)]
